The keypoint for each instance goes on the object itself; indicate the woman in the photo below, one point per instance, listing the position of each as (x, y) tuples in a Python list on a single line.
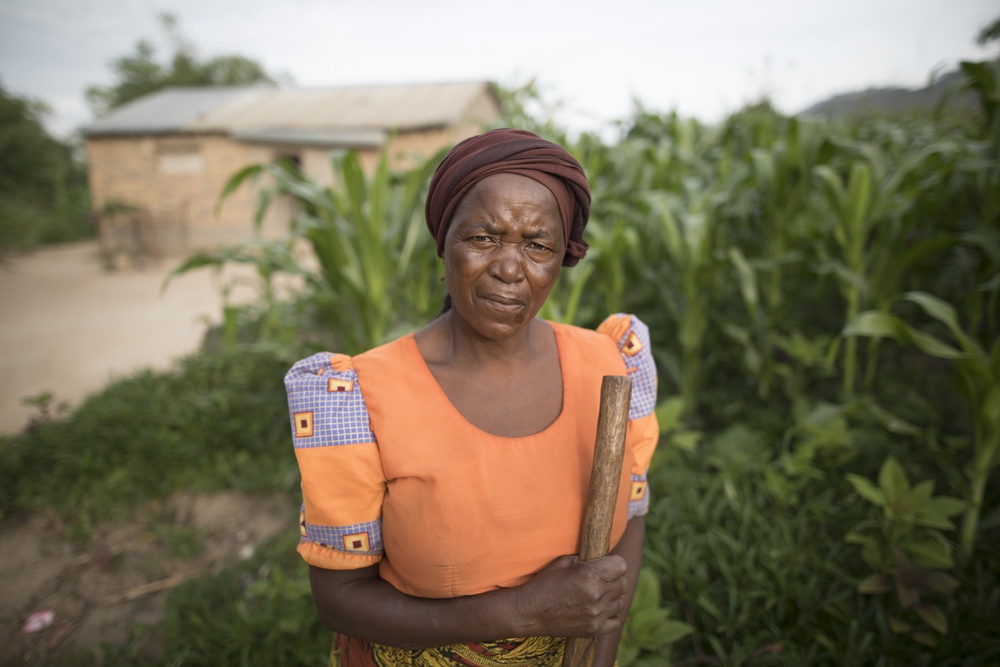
[(445, 474)]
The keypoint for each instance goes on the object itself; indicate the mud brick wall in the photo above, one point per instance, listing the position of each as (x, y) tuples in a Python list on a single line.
[(158, 195)]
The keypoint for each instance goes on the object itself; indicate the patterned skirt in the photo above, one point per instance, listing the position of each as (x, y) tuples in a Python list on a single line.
[(522, 652)]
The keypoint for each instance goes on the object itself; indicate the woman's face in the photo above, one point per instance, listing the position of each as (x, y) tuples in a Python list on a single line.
[(502, 253)]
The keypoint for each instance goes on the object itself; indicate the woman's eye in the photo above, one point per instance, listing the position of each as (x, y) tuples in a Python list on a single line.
[(537, 246)]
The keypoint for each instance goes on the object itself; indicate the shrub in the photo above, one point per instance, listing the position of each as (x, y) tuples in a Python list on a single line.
[(215, 421)]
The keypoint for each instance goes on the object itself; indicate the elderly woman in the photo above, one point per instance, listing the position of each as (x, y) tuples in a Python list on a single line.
[(445, 474)]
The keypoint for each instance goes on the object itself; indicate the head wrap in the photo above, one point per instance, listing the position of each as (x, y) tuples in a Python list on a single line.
[(515, 152)]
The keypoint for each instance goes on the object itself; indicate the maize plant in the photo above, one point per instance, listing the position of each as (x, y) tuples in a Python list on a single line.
[(376, 267), (979, 375)]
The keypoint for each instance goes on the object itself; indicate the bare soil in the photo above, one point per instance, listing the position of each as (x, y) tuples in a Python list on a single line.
[(120, 578)]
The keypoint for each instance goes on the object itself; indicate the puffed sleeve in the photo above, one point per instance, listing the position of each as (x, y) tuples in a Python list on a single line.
[(342, 480), (632, 338)]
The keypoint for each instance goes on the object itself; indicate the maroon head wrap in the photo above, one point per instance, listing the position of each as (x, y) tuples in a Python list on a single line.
[(516, 152)]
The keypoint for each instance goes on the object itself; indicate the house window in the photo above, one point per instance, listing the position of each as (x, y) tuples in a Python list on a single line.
[(179, 158), (292, 159)]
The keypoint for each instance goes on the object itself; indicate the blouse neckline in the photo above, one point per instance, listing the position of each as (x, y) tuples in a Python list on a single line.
[(440, 395)]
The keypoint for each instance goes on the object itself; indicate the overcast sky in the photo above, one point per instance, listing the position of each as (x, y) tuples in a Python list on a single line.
[(704, 58)]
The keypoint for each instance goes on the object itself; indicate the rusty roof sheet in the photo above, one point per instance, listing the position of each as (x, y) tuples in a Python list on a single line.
[(253, 109)]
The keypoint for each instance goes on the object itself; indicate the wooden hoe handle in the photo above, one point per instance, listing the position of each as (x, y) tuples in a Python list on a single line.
[(609, 452)]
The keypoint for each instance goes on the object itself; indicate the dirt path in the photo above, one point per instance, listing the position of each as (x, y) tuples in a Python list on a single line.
[(68, 326), (99, 592)]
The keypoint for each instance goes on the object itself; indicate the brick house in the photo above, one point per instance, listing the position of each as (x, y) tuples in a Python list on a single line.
[(158, 164)]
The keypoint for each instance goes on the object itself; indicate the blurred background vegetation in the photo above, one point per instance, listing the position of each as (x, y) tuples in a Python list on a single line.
[(822, 296), (43, 181)]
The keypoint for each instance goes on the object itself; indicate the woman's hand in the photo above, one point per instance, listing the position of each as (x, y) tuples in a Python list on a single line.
[(566, 599), (570, 598)]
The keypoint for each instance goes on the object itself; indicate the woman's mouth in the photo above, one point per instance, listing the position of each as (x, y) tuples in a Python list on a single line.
[(505, 303)]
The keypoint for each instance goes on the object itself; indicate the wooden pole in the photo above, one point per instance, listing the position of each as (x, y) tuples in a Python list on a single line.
[(609, 453)]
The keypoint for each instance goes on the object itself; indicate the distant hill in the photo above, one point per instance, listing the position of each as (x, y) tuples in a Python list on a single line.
[(898, 101)]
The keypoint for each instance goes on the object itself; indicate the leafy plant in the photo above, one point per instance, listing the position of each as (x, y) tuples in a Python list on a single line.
[(907, 549), (690, 234), (269, 260), (649, 631), (758, 582), (979, 374), (821, 439), (669, 415), (377, 271), (261, 613)]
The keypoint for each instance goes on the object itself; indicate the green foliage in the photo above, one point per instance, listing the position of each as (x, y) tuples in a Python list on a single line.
[(989, 33), (180, 541), (43, 191), (649, 630), (759, 239), (140, 73), (979, 372), (756, 580), (270, 319), (673, 432), (261, 613), (216, 421), (377, 271), (906, 548)]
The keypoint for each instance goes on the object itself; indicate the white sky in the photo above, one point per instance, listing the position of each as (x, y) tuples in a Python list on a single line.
[(703, 58)]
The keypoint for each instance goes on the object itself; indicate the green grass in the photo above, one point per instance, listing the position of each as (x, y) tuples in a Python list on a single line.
[(216, 421), (181, 541)]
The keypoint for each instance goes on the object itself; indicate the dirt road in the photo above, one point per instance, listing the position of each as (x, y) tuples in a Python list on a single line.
[(68, 326)]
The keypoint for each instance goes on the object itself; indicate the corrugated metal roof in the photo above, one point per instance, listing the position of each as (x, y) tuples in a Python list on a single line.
[(231, 110), (300, 136), (169, 110)]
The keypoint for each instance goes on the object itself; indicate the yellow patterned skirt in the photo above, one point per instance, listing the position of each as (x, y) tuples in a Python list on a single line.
[(521, 652)]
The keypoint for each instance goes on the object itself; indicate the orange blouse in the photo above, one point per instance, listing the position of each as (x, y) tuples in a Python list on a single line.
[(393, 474)]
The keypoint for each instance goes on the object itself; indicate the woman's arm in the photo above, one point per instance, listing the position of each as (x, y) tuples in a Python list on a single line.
[(629, 547), (566, 599)]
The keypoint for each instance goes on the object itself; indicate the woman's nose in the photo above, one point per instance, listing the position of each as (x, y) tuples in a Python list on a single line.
[(507, 264)]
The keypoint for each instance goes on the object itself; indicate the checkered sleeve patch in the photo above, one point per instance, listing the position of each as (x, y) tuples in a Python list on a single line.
[(325, 404), (362, 538), (638, 499), (633, 344)]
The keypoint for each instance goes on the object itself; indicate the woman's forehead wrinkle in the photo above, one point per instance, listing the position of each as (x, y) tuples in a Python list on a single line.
[(510, 204)]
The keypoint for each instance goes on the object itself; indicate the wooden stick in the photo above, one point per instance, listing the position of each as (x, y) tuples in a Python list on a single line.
[(609, 453), (145, 589)]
